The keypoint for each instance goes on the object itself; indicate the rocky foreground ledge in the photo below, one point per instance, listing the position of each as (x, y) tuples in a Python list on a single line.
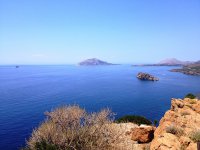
[(179, 129), (146, 76)]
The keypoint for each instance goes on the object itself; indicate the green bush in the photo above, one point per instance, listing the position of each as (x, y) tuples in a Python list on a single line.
[(190, 95), (43, 145), (134, 119), (155, 122)]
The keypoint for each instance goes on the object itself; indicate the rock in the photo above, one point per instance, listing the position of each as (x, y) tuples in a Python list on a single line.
[(166, 141), (146, 76), (143, 134), (183, 115)]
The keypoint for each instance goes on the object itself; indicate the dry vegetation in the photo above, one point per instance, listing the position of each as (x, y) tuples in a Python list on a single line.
[(175, 130), (185, 113), (72, 128), (195, 136)]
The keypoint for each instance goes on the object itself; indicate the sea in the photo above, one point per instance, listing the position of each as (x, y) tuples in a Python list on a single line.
[(27, 92)]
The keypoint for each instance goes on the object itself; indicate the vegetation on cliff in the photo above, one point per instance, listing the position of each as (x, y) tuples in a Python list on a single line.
[(190, 95), (72, 128), (134, 119)]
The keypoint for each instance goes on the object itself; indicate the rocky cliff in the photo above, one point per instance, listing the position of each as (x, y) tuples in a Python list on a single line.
[(179, 129)]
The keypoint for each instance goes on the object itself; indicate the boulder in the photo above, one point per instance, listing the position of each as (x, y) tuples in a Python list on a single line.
[(143, 134)]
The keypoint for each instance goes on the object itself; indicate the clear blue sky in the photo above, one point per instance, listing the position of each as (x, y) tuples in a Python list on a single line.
[(118, 31)]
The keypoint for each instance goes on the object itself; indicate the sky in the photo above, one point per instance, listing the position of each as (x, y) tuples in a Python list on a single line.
[(117, 31)]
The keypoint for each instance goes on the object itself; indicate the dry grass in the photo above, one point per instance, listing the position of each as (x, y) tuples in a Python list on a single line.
[(175, 130), (72, 128), (195, 136), (192, 101), (185, 113)]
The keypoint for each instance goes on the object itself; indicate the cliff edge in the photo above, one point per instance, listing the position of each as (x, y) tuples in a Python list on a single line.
[(179, 129)]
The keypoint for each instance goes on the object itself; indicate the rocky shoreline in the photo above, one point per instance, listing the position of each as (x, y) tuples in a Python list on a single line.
[(191, 69), (187, 71)]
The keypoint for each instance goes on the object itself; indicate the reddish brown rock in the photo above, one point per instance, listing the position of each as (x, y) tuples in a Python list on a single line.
[(143, 134)]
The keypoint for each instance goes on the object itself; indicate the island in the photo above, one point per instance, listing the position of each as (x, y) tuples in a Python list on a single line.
[(94, 62), (146, 76), (190, 69)]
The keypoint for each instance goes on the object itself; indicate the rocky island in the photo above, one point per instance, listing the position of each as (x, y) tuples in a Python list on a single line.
[(94, 62), (146, 76), (190, 69)]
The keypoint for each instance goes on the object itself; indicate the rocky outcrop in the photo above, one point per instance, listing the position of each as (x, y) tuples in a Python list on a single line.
[(176, 128), (146, 76), (143, 134), (126, 137)]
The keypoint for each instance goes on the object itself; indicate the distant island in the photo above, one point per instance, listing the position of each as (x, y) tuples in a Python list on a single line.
[(190, 69), (94, 62), (168, 62)]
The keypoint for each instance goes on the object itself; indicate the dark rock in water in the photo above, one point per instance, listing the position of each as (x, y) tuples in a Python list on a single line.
[(146, 76), (16, 66), (94, 62)]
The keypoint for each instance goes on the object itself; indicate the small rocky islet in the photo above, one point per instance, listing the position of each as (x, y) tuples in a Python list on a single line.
[(146, 77)]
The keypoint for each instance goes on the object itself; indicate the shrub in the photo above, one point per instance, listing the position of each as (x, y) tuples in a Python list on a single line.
[(155, 122), (192, 101), (185, 113), (190, 95), (174, 130), (134, 119), (195, 136), (72, 128)]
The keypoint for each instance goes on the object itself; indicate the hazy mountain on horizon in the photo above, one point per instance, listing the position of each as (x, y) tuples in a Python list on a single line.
[(174, 61)]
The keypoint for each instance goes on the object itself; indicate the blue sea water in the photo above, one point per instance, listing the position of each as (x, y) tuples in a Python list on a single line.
[(27, 92)]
